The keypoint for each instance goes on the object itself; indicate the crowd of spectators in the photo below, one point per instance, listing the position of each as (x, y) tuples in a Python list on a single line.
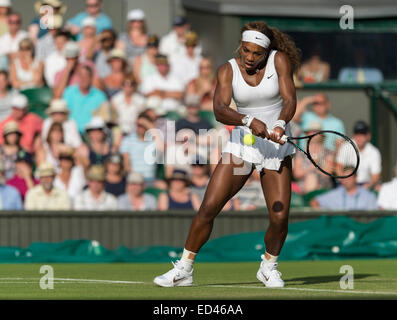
[(108, 123)]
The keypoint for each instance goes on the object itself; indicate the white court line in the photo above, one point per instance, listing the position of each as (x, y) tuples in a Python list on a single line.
[(72, 280), (66, 280), (307, 289)]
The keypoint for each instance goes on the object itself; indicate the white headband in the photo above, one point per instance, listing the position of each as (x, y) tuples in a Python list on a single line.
[(256, 37)]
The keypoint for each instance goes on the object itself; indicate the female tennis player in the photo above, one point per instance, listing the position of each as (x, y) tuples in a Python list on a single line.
[(260, 80)]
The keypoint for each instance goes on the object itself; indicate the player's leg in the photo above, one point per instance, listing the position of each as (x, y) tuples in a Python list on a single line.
[(227, 179), (225, 182), (276, 187)]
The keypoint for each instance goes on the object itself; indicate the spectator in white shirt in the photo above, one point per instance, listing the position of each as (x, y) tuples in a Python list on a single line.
[(70, 176), (387, 194), (164, 85), (56, 61), (186, 65), (46, 44), (45, 196), (128, 103), (369, 170), (9, 42), (174, 41), (58, 112), (5, 95), (95, 197)]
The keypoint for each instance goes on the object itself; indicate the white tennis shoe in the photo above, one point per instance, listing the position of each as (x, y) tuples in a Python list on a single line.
[(269, 275), (176, 277)]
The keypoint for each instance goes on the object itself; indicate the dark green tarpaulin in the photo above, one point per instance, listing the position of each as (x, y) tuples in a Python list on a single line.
[(327, 238)]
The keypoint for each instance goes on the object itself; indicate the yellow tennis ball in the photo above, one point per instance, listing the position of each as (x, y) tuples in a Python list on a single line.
[(249, 139)]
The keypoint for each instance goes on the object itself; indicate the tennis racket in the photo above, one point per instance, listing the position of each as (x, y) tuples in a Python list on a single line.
[(331, 152)]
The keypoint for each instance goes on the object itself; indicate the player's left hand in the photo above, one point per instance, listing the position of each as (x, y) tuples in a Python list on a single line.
[(276, 135)]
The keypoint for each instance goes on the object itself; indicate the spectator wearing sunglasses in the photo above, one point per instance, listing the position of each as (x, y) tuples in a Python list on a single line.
[(107, 41), (9, 42)]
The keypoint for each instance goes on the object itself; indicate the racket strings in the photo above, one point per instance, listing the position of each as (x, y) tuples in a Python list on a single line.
[(333, 154)]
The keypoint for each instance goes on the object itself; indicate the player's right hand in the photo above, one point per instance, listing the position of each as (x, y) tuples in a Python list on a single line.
[(259, 129)]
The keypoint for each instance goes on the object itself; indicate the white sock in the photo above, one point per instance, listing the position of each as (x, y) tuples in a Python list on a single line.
[(270, 258), (188, 259)]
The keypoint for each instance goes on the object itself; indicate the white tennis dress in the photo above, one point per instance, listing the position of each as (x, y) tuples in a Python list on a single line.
[(264, 102)]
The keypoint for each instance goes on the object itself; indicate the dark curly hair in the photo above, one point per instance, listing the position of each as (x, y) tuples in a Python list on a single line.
[(278, 41)]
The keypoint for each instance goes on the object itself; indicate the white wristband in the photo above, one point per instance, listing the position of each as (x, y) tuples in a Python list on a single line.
[(250, 119), (279, 123)]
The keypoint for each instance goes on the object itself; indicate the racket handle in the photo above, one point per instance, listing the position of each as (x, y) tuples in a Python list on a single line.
[(283, 138)]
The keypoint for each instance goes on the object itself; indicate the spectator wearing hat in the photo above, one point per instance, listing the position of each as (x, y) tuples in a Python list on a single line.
[(9, 150), (164, 85), (145, 64), (58, 112), (83, 99), (5, 10), (134, 198), (348, 196), (23, 179), (56, 61), (45, 10), (10, 199), (29, 124), (134, 41), (71, 75), (387, 199), (174, 41), (26, 71), (89, 41), (107, 41), (5, 95), (94, 10), (95, 197), (142, 148), (179, 195), (97, 148), (46, 44), (45, 196), (369, 170), (9, 42), (115, 175), (307, 176), (186, 65), (70, 177), (128, 103), (113, 82)]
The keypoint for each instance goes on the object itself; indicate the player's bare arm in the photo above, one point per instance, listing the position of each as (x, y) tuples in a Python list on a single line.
[(287, 92), (222, 99)]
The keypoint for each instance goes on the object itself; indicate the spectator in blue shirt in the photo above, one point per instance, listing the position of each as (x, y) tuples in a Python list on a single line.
[(362, 72), (93, 9), (140, 149), (320, 113), (10, 199), (84, 98), (348, 196)]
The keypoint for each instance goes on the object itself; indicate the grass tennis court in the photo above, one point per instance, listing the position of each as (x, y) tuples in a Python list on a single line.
[(373, 279)]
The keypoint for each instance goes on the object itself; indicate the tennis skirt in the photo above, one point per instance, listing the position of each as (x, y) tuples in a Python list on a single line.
[(263, 154)]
